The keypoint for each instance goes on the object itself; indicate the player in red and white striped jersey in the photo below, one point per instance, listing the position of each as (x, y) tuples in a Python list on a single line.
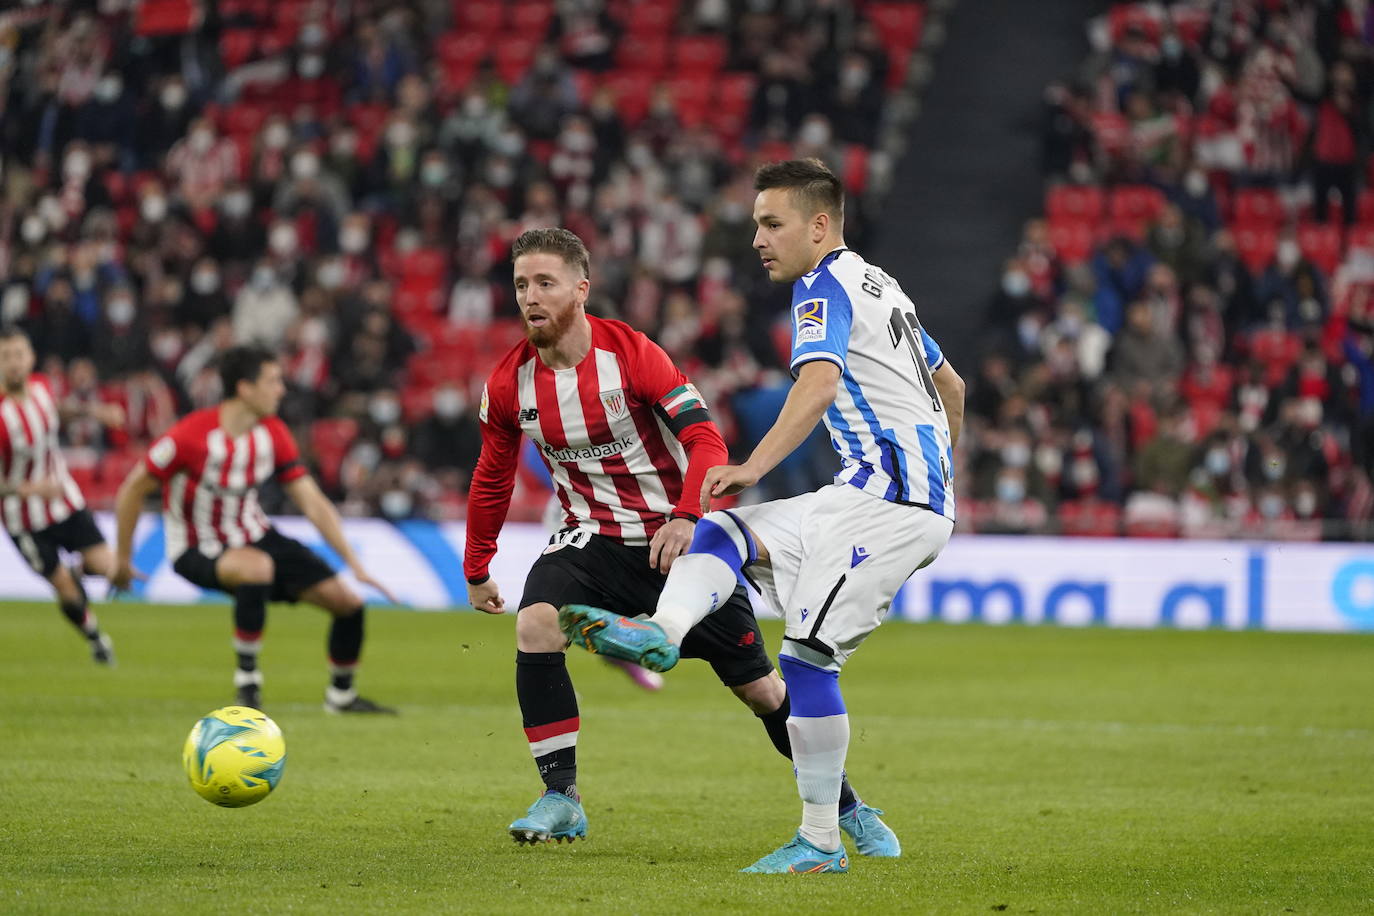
[(42, 506), (628, 441), (209, 466)]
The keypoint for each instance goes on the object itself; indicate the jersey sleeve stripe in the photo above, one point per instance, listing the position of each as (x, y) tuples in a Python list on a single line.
[(811, 355)]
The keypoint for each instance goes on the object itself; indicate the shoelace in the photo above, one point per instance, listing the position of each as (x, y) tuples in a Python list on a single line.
[(859, 827)]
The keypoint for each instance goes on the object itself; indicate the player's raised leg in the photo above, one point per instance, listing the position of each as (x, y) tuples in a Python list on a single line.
[(345, 645), (548, 710)]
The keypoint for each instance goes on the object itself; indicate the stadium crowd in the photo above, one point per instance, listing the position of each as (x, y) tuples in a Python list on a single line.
[(1185, 341), (342, 183)]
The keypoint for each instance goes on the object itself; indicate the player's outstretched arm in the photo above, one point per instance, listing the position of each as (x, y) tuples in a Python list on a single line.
[(951, 388), (312, 502), (133, 493), (806, 403)]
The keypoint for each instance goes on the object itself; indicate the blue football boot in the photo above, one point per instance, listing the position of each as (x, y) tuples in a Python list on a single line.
[(870, 835), (554, 816), (799, 857), (605, 633)]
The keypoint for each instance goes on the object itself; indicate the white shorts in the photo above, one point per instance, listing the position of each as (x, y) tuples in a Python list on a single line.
[(836, 559)]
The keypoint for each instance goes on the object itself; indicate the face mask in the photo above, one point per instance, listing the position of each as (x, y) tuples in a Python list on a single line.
[(1015, 283), (109, 89), (474, 106), (853, 77), (305, 165), (345, 145), (578, 141), (400, 135), (1172, 47), (310, 67), (121, 312), (202, 140), (282, 240), (154, 208), (1271, 506), (237, 204), (33, 229), (166, 346), (510, 143), (448, 404), (313, 35), (407, 240), (814, 133), (1016, 454), (1010, 490), (1274, 468), (639, 156), (77, 166), (384, 411), (15, 304), (314, 333), (1218, 462), (263, 278), (434, 173), (396, 503), (205, 282), (1288, 254), (353, 239), (173, 96), (1084, 473), (330, 275), (1195, 184), (276, 136), (1305, 503)]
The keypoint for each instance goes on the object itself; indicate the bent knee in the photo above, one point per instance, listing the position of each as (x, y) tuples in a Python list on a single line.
[(536, 629)]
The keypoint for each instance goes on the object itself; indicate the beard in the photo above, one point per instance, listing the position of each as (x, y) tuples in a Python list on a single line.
[(551, 333)]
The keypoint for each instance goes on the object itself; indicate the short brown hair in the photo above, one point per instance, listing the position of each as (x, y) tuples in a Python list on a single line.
[(12, 332), (815, 189), (561, 242)]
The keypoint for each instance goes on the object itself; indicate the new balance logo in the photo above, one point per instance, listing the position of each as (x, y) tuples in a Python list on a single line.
[(860, 554), (747, 639), (529, 415)]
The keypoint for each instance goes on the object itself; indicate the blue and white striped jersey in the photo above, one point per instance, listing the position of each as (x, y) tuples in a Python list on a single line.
[(887, 421)]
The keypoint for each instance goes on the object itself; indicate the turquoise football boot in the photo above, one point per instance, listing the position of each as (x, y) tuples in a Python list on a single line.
[(605, 633), (799, 857), (554, 816), (870, 835)]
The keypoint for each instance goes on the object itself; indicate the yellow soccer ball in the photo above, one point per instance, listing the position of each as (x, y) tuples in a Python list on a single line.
[(234, 756)]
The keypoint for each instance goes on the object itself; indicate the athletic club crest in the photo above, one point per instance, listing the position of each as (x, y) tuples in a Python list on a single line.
[(614, 402)]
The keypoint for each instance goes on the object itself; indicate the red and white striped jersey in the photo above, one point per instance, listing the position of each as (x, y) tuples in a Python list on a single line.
[(29, 452), (210, 480), (611, 430)]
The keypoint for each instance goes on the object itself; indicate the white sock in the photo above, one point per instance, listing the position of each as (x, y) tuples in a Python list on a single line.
[(697, 584), (818, 751)]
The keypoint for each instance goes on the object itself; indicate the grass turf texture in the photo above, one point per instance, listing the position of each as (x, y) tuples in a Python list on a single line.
[(1025, 769)]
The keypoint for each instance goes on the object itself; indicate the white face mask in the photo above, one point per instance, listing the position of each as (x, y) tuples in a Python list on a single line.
[(276, 136), (814, 133), (33, 229), (109, 89), (345, 145), (448, 404), (14, 306), (237, 204), (1195, 184), (121, 311), (1010, 490), (330, 275), (1305, 503), (77, 166), (305, 165), (400, 134), (434, 173), (1288, 254), (353, 239), (384, 411), (201, 140), (173, 96), (282, 240), (205, 282), (264, 278), (1015, 283), (1016, 454), (396, 503), (154, 208), (310, 66), (313, 35)]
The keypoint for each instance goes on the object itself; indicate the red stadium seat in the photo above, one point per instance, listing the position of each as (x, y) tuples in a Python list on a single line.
[(1364, 209), (236, 46), (460, 47), (631, 93), (1362, 238), (1258, 207), (1190, 23), (1072, 240), (648, 55), (1135, 204), (530, 17), (691, 98), (416, 402), (330, 439), (512, 57), (1256, 246), (651, 17), (243, 119), (1074, 202), (1321, 244), (699, 54), (484, 17), (899, 24), (1139, 16), (735, 92)]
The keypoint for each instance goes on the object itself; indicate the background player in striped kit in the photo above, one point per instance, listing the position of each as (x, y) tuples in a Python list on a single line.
[(830, 561), (627, 440), (209, 466), (44, 510)]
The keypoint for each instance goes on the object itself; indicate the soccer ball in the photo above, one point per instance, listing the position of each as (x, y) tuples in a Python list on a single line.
[(234, 756)]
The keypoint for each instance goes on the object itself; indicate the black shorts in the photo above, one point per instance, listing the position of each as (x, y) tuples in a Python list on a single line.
[(297, 567), (595, 570), (42, 549)]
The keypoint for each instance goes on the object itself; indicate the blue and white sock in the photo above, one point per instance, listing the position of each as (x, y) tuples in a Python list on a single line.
[(819, 729), (705, 577)]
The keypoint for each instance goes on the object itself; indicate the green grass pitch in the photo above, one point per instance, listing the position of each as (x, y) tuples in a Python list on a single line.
[(1027, 770)]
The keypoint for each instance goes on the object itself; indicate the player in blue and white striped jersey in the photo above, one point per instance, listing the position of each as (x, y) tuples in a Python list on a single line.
[(830, 561)]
